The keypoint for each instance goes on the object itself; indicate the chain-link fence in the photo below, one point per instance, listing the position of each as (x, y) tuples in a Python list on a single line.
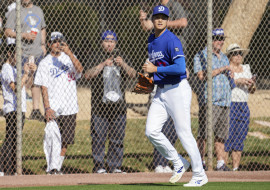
[(102, 123)]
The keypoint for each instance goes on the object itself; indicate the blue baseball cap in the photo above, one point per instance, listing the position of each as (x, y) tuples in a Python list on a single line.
[(161, 9), (218, 32), (108, 33)]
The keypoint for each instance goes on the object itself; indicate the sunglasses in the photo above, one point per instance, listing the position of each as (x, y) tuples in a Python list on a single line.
[(235, 53), (218, 38)]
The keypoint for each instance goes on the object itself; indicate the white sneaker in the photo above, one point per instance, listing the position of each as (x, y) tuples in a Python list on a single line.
[(2, 174), (167, 169), (197, 182), (101, 171), (178, 172), (159, 169)]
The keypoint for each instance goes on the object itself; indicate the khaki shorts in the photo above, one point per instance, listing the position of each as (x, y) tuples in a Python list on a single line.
[(220, 122), (67, 125)]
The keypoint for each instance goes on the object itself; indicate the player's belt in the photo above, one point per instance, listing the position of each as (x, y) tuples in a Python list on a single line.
[(167, 85)]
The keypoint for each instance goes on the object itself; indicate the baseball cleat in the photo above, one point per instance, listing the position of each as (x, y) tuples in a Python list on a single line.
[(178, 172), (197, 182)]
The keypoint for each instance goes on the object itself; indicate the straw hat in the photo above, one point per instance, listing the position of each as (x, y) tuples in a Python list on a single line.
[(235, 47)]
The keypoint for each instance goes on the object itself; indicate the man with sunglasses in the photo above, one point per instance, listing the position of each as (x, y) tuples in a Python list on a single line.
[(57, 74), (221, 97)]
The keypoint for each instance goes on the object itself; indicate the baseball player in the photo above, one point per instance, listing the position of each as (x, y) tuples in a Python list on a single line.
[(172, 99), (57, 74)]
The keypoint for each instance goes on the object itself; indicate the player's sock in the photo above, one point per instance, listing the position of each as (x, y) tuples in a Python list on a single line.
[(220, 163)]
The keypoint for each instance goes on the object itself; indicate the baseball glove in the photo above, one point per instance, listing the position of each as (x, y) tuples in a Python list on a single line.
[(144, 85)]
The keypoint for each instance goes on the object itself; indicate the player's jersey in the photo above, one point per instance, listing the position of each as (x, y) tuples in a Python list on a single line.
[(162, 52)]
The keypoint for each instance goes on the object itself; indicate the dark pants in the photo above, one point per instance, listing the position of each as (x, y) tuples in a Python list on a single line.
[(8, 156), (114, 129), (169, 131)]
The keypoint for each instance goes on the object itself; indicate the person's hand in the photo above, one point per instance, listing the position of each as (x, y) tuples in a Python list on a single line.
[(32, 67), (149, 67), (64, 47), (26, 68), (49, 114), (143, 15), (29, 36), (119, 61), (245, 81), (109, 62)]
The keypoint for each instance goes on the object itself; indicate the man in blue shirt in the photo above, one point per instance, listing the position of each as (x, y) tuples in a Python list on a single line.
[(172, 99), (221, 97)]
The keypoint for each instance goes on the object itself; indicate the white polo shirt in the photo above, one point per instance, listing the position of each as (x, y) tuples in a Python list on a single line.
[(59, 75), (8, 75)]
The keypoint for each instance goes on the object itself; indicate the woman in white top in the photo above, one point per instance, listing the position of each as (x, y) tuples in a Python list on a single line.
[(239, 111), (8, 79)]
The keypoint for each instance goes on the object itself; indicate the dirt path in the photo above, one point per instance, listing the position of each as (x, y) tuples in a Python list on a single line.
[(84, 179)]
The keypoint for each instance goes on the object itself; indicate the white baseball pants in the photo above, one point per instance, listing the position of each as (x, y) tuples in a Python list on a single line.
[(174, 101)]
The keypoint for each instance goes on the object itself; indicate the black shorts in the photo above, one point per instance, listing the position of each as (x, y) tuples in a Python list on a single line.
[(67, 125)]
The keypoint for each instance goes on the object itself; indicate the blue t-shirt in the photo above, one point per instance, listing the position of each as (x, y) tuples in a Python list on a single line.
[(162, 52)]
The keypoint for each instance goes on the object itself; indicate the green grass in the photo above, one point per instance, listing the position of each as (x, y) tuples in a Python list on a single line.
[(138, 149), (159, 186)]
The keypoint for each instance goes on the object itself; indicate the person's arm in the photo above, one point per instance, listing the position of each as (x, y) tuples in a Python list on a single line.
[(146, 24), (26, 36), (77, 64), (43, 40), (129, 70), (49, 113), (24, 80), (93, 72), (178, 23), (179, 67)]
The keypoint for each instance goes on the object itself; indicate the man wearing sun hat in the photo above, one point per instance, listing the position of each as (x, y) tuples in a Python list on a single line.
[(57, 74), (221, 97), (108, 76)]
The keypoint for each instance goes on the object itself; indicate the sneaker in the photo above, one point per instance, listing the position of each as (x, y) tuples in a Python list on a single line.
[(59, 173), (178, 172), (159, 169), (36, 115), (223, 168), (53, 172), (2, 174), (101, 171), (118, 171), (167, 169), (197, 182)]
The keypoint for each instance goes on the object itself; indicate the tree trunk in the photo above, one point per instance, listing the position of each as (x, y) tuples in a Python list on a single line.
[(242, 20)]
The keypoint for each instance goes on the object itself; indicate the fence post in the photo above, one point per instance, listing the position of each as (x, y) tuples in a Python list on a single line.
[(18, 86), (209, 86)]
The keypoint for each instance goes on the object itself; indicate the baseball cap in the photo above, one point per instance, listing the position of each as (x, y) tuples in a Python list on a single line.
[(104, 35), (161, 9), (57, 36), (218, 32)]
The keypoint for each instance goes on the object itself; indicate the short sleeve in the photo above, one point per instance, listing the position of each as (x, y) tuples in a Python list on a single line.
[(41, 78), (197, 63), (8, 74), (43, 24), (11, 20)]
